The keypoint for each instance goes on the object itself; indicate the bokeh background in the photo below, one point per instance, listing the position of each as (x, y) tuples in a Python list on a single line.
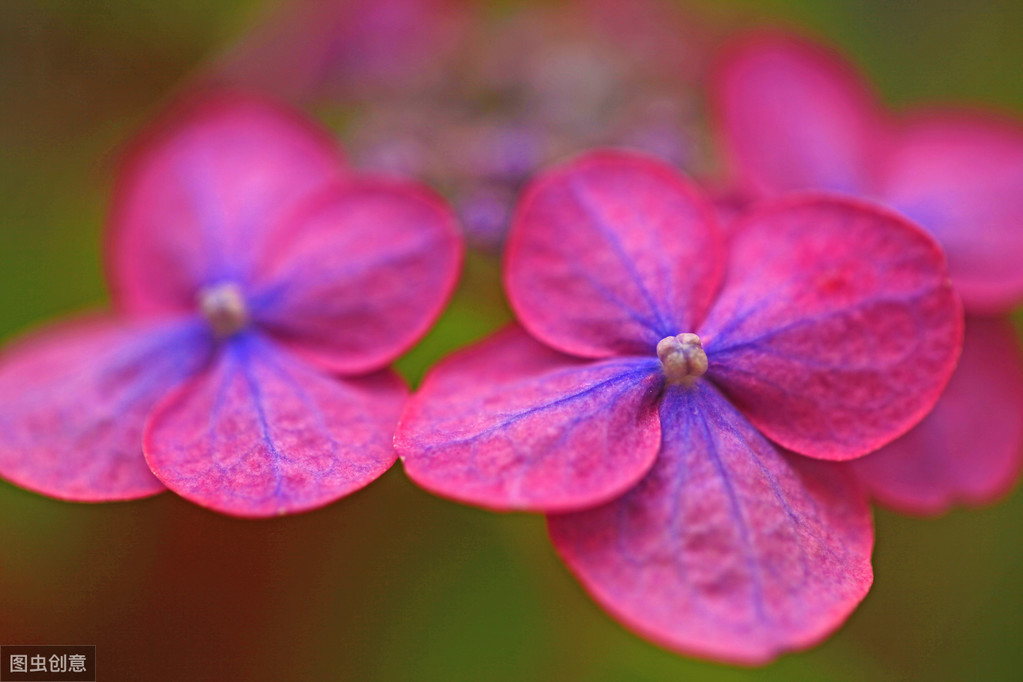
[(392, 583)]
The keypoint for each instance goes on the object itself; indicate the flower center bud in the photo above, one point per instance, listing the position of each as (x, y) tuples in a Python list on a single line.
[(683, 358), (223, 306)]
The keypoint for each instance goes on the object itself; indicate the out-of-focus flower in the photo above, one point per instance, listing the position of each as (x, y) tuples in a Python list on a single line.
[(654, 362), (794, 115), (319, 50), (512, 90), (260, 295)]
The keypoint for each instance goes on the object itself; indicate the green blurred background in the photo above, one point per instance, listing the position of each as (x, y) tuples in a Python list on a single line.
[(393, 583)]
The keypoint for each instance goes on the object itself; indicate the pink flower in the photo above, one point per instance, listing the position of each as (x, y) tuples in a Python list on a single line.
[(794, 116), (260, 295), (655, 365)]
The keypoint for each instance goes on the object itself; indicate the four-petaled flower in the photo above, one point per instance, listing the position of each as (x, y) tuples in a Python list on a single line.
[(260, 295), (794, 116), (655, 365)]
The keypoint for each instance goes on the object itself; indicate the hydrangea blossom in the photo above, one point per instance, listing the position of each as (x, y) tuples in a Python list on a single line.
[(793, 116), (260, 294), (658, 379)]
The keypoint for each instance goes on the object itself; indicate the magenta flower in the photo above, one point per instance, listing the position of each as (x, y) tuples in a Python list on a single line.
[(795, 116), (654, 367), (260, 295)]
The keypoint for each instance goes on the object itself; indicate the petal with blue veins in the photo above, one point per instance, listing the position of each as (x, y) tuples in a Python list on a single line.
[(74, 398), (610, 253), (261, 433), (511, 424), (203, 188), (366, 270), (728, 549), (837, 328), (969, 449)]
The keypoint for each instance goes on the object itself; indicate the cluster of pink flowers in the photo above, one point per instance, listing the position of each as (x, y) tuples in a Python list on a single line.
[(702, 401)]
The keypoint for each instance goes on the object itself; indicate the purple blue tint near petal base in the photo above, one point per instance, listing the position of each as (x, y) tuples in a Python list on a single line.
[(74, 399), (261, 433), (728, 549), (366, 269), (512, 424), (203, 188), (970, 448)]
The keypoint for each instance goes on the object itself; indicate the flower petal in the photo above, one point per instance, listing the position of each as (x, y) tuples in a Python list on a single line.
[(837, 328), (202, 188), (727, 549), (959, 175), (795, 116), (261, 433), (511, 424), (970, 448), (610, 253), (376, 259), (74, 398)]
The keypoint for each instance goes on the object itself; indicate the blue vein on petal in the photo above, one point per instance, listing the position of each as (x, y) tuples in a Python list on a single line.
[(637, 370), (162, 357), (734, 505), (264, 425), (737, 344), (242, 353), (597, 220)]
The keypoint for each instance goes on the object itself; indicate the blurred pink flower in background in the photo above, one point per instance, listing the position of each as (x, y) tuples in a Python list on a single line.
[(239, 246), (475, 99), (794, 115)]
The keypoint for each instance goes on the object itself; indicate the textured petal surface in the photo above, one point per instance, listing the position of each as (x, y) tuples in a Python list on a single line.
[(74, 398), (837, 328), (959, 175), (610, 253), (365, 273), (794, 116), (261, 433), (727, 549), (511, 424), (205, 186), (970, 448)]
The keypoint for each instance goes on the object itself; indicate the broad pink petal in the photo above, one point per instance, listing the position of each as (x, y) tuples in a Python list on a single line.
[(837, 328), (969, 450), (727, 549), (74, 398), (794, 116), (261, 433), (959, 175), (610, 253), (366, 271), (511, 424), (205, 186)]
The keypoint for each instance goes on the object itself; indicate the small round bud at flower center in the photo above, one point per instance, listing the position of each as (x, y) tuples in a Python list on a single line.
[(682, 358), (223, 306)]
